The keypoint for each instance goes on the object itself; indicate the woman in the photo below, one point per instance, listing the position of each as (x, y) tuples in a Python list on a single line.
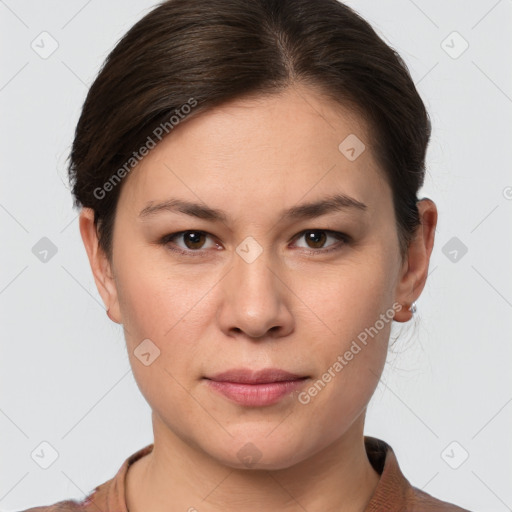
[(247, 173)]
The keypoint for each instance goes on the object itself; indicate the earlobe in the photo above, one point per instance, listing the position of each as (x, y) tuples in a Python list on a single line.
[(99, 263), (405, 313), (112, 317), (415, 268)]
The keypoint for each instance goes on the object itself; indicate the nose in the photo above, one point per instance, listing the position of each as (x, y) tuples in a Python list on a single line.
[(256, 300)]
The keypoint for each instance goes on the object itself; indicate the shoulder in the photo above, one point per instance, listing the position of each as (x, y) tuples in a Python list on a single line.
[(110, 495), (420, 501), (95, 501), (61, 506)]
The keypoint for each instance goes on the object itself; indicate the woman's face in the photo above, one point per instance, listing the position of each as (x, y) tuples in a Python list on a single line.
[(260, 288)]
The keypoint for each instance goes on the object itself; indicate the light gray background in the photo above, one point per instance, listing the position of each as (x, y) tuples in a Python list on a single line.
[(64, 371)]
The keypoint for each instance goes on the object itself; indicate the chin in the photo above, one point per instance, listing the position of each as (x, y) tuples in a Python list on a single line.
[(260, 451)]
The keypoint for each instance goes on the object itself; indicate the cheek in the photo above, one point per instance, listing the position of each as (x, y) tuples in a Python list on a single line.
[(349, 368), (160, 346), (350, 342), (154, 299), (164, 308), (347, 299)]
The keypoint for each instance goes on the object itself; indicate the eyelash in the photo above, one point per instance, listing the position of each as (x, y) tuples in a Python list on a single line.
[(166, 240)]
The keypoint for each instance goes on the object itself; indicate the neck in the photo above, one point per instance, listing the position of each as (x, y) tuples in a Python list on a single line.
[(177, 476)]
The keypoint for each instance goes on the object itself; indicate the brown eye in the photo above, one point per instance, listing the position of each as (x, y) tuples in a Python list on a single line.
[(195, 243), (189, 242), (193, 239), (315, 239)]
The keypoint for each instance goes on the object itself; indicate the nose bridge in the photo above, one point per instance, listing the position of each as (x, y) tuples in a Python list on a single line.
[(253, 302), (251, 273)]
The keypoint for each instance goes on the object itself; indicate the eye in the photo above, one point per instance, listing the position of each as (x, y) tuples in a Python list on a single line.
[(193, 241), (316, 238)]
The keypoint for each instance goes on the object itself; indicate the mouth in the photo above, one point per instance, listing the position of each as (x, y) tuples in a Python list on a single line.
[(255, 388)]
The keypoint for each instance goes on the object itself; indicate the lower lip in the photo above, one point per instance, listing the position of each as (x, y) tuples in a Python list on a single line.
[(256, 395)]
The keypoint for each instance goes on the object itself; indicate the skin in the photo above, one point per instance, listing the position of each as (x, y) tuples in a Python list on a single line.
[(286, 309)]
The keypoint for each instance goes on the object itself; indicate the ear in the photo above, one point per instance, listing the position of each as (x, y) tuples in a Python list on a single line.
[(413, 275), (100, 266)]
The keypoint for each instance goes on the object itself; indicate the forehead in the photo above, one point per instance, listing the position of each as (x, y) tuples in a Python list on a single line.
[(255, 152)]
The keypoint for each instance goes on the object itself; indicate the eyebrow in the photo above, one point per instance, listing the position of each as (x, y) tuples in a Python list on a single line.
[(337, 202)]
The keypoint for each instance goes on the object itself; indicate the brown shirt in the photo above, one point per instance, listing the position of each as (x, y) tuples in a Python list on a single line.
[(394, 493)]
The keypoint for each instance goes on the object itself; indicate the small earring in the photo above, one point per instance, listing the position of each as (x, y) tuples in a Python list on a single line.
[(413, 308)]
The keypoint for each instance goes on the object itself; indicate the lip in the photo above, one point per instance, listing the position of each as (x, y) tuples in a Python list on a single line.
[(248, 376), (255, 388)]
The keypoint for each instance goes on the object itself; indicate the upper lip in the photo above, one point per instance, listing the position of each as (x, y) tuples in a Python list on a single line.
[(248, 376)]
